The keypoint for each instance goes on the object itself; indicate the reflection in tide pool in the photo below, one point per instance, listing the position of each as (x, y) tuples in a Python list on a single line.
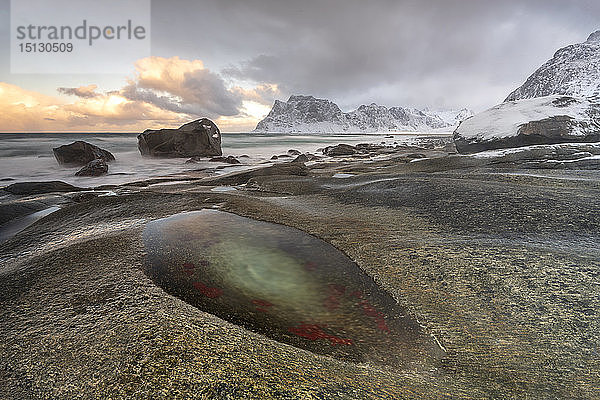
[(285, 284)]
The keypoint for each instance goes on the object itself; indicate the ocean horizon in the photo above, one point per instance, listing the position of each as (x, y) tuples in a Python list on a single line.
[(23, 159)]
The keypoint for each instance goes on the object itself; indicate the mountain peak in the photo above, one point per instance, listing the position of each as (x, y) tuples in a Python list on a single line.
[(573, 71), (307, 114), (300, 97), (594, 37)]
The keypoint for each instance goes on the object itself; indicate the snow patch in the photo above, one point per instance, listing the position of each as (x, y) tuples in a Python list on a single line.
[(504, 120)]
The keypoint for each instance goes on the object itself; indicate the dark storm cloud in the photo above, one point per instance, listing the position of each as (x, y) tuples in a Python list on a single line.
[(182, 86), (86, 92), (444, 52), (200, 93)]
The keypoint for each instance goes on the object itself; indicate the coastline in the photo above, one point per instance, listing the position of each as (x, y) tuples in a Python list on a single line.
[(474, 248)]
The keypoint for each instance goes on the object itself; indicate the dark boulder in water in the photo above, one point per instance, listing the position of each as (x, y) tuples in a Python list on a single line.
[(94, 168), (285, 284), (200, 138), (227, 160), (80, 153)]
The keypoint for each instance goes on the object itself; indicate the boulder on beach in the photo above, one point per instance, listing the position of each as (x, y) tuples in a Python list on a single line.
[(340, 150), (200, 138), (302, 158), (93, 168), (543, 120), (80, 153)]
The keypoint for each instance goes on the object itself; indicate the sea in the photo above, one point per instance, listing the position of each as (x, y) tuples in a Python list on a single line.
[(29, 157)]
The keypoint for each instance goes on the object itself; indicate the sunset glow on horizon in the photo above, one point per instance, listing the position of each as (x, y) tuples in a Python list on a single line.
[(163, 92)]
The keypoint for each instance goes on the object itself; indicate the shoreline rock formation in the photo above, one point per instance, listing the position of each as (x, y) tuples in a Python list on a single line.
[(544, 120), (200, 138), (442, 236), (80, 153)]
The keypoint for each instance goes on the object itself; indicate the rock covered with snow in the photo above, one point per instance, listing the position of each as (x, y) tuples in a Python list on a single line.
[(543, 120), (306, 114), (574, 70)]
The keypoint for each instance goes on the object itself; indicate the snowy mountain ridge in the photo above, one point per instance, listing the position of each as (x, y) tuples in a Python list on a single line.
[(574, 70), (307, 114)]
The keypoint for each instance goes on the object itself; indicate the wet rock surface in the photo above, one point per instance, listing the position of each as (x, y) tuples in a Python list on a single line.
[(285, 284), (302, 158), (21, 207), (227, 160), (241, 177), (29, 188), (498, 262)]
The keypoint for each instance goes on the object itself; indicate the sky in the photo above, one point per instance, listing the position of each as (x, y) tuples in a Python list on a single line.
[(229, 60)]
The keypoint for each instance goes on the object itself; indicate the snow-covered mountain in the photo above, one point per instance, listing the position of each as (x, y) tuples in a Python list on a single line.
[(306, 114), (450, 117), (574, 70)]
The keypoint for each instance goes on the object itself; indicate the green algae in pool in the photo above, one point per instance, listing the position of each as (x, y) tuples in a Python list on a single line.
[(284, 284)]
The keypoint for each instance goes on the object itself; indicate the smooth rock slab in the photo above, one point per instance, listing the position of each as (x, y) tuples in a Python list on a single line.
[(30, 188), (285, 284)]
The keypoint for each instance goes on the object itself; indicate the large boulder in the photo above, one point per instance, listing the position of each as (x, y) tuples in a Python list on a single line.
[(200, 138), (80, 153), (340, 150), (543, 120)]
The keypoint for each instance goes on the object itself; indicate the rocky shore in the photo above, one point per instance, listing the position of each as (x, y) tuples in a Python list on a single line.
[(496, 255)]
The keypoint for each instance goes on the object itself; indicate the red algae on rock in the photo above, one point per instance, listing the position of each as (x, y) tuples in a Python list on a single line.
[(285, 284)]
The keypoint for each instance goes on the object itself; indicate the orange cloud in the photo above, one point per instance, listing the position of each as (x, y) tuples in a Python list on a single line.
[(262, 94), (27, 111), (164, 92)]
